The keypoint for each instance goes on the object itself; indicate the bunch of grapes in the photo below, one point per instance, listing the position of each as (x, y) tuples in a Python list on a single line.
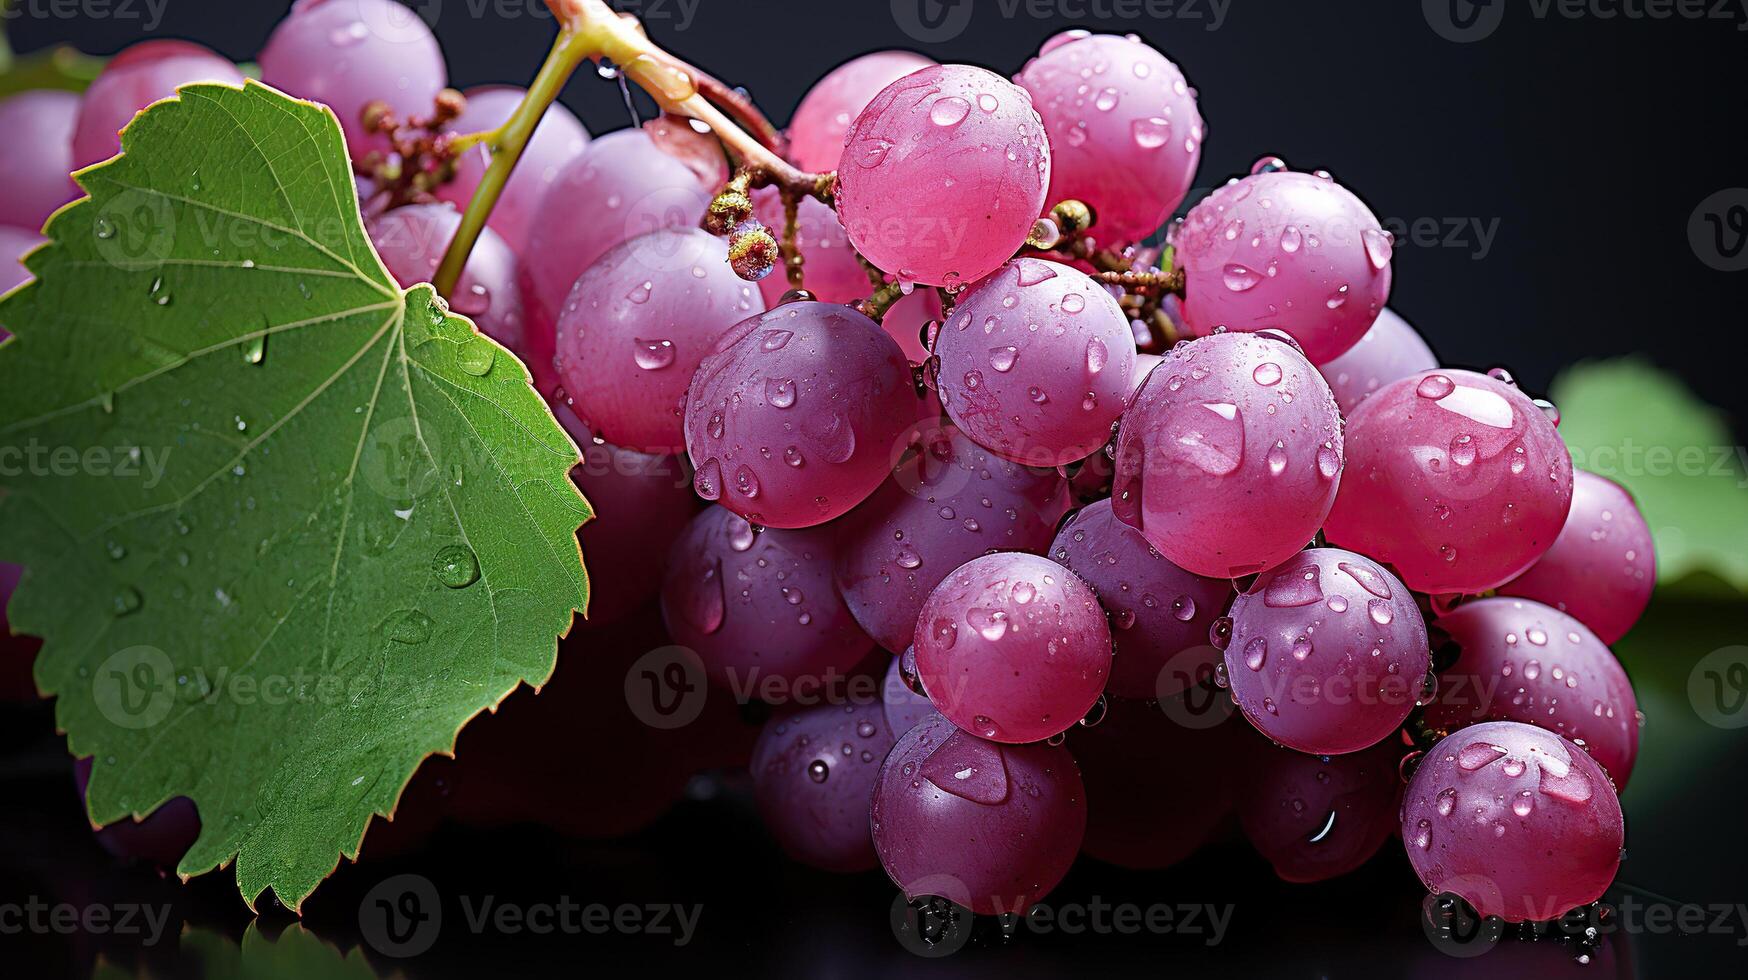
[(1067, 485)]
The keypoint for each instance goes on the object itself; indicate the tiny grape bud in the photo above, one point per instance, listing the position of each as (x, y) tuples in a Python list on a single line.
[(1073, 217), (450, 104), (378, 116), (728, 211), (752, 251)]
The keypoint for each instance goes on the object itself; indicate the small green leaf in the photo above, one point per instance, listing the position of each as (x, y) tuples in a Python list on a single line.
[(235, 456), (1641, 427)]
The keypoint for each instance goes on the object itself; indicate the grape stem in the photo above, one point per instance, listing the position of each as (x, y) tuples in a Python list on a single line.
[(1149, 281), (592, 31)]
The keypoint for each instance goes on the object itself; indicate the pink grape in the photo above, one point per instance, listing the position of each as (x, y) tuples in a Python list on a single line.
[(140, 75), (160, 839), (411, 241), (991, 827), (1164, 789), (757, 604), (1125, 133), (943, 175), (822, 119), (1013, 647), (814, 772), (1390, 350), (947, 502), (642, 502), (1157, 610), (1285, 251), (792, 420), (1522, 661), (833, 274), (1517, 821), (624, 184), (1144, 365), (1037, 362), (904, 708), (1318, 817), (36, 156), (1229, 458), (637, 325), (350, 53), (1455, 479), (15, 244), (1328, 652), (558, 140), (1602, 566)]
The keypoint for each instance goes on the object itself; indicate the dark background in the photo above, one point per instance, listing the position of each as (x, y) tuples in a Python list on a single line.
[(1584, 144)]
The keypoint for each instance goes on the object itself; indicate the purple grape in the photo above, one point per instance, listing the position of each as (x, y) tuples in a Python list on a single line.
[(1125, 134), (159, 839), (822, 119), (946, 502), (15, 244), (1390, 350), (140, 75), (637, 325), (1036, 363), (1455, 479), (642, 502), (814, 772), (411, 241), (1157, 609), (558, 140), (904, 707), (350, 53), (1602, 566), (36, 155), (794, 418), (1229, 458), (624, 184), (1328, 652), (1319, 817), (1285, 251), (1164, 789), (1519, 822), (1013, 647), (992, 827), (1522, 661), (757, 604)]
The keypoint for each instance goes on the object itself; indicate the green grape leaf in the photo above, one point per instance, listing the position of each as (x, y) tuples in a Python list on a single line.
[(287, 526), (1627, 420)]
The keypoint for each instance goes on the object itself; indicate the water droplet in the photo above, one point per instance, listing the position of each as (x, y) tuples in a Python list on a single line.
[(817, 771), (780, 392), (1478, 755), (1267, 374), (746, 482), (1435, 386), (792, 456), (775, 339), (456, 566), (1073, 303), (1379, 246), (1000, 358), (125, 601), (1151, 132), (255, 349), (409, 626), (708, 481), (477, 356), (652, 355), (950, 111), (907, 558), (1239, 278), (1256, 653), (991, 624)]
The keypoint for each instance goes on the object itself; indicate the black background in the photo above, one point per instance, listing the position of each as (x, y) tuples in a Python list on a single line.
[(1586, 142)]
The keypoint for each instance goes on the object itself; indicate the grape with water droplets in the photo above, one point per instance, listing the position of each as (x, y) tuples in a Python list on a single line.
[(1602, 565), (796, 417), (1229, 458), (137, 77), (991, 827), (943, 174), (1013, 647), (823, 117), (1519, 822), (1390, 350), (1455, 479), (1328, 652), (1318, 817), (558, 140), (814, 772), (1036, 363), (36, 156), (411, 241), (637, 325), (350, 53), (1286, 251), (1522, 661), (948, 501), (757, 604), (1157, 610), (1125, 133)]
